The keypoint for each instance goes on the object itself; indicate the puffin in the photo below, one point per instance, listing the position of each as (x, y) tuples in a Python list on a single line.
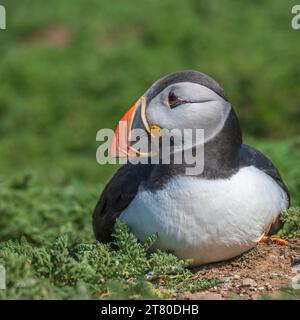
[(236, 202)]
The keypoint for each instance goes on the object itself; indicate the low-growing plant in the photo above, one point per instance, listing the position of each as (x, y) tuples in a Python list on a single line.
[(291, 227), (125, 269)]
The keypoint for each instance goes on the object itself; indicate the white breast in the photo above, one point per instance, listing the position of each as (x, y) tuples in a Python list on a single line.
[(207, 220)]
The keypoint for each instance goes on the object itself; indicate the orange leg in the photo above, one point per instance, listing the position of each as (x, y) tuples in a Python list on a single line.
[(279, 241), (273, 240), (264, 240)]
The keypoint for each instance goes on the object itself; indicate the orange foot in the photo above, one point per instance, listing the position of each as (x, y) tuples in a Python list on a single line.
[(279, 241), (273, 240)]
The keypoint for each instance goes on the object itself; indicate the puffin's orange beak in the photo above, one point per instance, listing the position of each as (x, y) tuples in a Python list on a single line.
[(134, 118), (120, 145)]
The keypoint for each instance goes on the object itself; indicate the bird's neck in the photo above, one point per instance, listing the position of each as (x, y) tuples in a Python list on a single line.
[(221, 157), (222, 153)]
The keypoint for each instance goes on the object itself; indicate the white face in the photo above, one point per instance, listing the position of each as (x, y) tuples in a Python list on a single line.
[(199, 108)]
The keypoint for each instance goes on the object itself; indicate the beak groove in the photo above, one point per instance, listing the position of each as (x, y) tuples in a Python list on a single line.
[(134, 118)]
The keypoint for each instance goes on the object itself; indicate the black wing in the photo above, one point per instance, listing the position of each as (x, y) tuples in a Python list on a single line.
[(116, 197)]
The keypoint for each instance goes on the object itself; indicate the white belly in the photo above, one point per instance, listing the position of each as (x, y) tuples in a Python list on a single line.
[(207, 220)]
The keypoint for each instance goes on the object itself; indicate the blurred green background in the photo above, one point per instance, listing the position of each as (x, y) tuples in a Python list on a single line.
[(69, 68)]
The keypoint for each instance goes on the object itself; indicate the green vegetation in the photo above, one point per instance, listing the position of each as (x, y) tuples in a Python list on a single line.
[(69, 68), (67, 269), (291, 227), (75, 68)]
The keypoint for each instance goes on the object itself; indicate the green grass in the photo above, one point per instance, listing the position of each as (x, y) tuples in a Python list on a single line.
[(75, 68), (67, 269)]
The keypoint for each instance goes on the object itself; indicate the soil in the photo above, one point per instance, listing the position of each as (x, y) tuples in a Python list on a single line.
[(264, 270)]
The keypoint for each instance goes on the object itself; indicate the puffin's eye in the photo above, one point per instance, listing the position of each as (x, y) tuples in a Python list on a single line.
[(173, 100)]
